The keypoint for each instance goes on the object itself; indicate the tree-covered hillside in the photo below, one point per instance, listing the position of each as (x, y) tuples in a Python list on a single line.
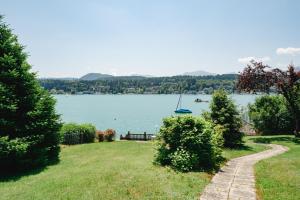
[(143, 85)]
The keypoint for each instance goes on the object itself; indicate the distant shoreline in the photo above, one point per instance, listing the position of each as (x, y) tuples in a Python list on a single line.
[(148, 94)]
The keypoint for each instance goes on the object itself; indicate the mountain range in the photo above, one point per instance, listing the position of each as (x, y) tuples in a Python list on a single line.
[(99, 76)]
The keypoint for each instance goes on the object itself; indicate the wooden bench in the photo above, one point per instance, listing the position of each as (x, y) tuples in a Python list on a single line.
[(131, 136)]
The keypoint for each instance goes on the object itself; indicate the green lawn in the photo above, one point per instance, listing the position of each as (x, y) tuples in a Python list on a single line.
[(279, 177), (118, 170), (249, 148)]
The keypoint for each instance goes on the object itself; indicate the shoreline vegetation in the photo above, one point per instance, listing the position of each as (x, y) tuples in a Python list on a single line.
[(142, 85)]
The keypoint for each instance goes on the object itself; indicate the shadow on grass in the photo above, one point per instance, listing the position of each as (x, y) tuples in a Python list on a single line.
[(9, 175), (241, 147), (270, 139)]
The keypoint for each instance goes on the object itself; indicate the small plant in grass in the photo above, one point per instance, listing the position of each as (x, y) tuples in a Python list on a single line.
[(188, 143), (109, 135)]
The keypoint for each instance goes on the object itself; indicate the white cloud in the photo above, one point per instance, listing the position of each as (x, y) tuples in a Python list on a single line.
[(246, 60), (288, 50)]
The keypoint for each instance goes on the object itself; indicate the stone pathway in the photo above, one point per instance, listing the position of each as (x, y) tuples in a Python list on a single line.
[(236, 179)]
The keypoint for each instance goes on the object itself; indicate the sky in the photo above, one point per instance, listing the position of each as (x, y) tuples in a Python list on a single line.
[(69, 38)]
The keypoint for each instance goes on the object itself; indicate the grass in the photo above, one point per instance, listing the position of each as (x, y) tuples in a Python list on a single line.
[(279, 177), (118, 170), (249, 148)]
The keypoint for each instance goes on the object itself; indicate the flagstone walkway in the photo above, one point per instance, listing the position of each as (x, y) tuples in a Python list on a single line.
[(236, 181)]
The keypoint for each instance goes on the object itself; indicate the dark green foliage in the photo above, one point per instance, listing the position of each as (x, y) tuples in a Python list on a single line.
[(270, 115), (224, 113), (13, 149), (29, 126), (141, 85), (72, 133), (188, 143)]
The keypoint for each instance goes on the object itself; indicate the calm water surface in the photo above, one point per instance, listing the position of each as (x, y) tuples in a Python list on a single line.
[(135, 113)]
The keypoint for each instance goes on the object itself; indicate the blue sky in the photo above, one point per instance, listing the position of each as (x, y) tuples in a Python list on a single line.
[(68, 38)]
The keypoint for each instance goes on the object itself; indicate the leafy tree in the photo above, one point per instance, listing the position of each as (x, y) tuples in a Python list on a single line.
[(270, 115), (259, 77), (224, 113), (29, 126)]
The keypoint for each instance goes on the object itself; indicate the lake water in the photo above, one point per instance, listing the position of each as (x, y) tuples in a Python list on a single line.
[(135, 113)]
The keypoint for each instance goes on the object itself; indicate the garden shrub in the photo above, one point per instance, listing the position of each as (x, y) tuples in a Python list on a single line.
[(188, 143), (223, 113), (269, 115), (100, 136), (72, 133), (184, 160), (109, 135), (88, 132)]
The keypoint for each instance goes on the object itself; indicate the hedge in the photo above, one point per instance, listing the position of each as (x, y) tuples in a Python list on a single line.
[(72, 133)]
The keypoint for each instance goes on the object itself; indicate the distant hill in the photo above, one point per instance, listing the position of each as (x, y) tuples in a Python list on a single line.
[(199, 73), (297, 68), (95, 76), (99, 76)]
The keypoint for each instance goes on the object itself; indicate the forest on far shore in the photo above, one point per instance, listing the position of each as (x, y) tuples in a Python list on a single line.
[(142, 85)]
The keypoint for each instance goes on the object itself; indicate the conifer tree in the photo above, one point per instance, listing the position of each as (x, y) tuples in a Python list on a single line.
[(224, 113), (29, 125)]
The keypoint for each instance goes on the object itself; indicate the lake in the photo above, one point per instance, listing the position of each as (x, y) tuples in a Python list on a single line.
[(135, 113)]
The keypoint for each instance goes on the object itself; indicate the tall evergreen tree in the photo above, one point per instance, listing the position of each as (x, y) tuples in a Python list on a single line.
[(29, 125), (224, 113)]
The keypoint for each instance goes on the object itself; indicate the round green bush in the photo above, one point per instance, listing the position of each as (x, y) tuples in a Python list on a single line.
[(188, 143), (269, 115)]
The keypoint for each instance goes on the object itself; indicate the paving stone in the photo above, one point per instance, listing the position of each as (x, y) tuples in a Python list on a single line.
[(236, 181)]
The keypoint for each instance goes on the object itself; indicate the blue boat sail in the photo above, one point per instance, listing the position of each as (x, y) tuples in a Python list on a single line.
[(179, 109)]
